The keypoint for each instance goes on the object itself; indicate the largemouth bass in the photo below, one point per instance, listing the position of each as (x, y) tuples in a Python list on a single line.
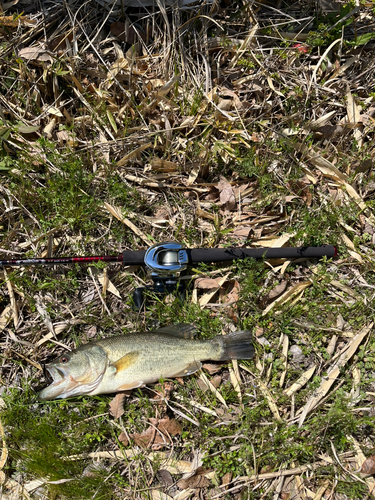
[(129, 361)]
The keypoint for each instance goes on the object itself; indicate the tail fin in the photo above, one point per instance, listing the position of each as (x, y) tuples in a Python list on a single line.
[(237, 345)]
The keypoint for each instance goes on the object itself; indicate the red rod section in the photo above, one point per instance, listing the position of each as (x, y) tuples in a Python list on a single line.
[(60, 260)]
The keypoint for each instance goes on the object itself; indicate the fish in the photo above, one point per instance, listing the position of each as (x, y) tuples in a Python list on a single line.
[(125, 362)]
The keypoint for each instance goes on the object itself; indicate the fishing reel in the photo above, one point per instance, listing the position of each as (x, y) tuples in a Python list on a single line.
[(166, 261)]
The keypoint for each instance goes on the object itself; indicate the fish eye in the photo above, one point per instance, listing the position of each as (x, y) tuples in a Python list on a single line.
[(64, 359)]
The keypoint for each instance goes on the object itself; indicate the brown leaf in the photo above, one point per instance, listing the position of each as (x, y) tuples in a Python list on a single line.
[(145, 438), (169, 426), (216, 381), (273, 294), (35, 54), (158, 435), (164, 390), (206, 283), (328, 132), (196, 481), (59, 42), (227, 198), (123, 438), (211, 368), (161, 165), (165, 477), (299, 187), (116, 406), (10, 22), (242, 232), (202, 385), (368, 466), (212, 195), (229, 292), (226, 479)]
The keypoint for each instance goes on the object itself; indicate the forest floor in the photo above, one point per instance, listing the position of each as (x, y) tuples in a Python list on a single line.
[(239, 124)]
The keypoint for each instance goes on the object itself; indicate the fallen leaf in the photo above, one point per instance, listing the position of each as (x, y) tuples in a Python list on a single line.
[(5, 317), (288, 295), (10, 22), (145, 438), (212, 388), (206, 283), (116, 406), (169, 426), (158, 495), (242, 232), (329, 132), (302, 190), (211, 368), (227, 198), (165, 477), (334, 372), (226, 479), (35, 54), (161, 165), (164, 390), (230, 292), (273, 294), (158, 434), (59, 42), (208, 296), (368, 466), (196, 481), (116, 212), (123, 438), (202, 385)]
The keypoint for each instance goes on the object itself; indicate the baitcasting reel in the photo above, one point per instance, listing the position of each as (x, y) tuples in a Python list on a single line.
[(166, 261)]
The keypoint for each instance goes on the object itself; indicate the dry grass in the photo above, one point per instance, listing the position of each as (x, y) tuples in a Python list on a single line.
[(219, 125)]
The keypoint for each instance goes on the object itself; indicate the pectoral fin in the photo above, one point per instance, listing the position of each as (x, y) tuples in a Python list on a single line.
[(189, 369), (126, 361), (129, 387)]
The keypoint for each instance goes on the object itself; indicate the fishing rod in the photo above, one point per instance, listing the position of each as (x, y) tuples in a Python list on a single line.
[(165, 256), (168, 259)]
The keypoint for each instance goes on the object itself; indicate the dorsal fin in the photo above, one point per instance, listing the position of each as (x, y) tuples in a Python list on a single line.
[(123, 363), (182, 330)]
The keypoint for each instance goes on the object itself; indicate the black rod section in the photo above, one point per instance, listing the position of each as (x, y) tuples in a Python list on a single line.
[(228, 254)]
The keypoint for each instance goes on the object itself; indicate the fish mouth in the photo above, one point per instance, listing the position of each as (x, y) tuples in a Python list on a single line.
[(47, 375), (58, 383), (63, 385)]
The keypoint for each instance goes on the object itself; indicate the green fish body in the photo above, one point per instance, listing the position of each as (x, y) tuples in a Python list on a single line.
[(129, 361)]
